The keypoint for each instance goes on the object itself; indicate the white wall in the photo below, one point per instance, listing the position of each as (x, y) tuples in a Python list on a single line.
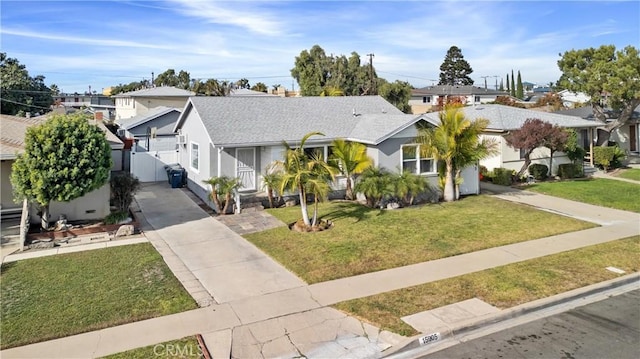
[(92, 206), (509, 157)]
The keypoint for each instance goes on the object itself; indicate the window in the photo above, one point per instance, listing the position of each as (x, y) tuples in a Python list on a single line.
[(413, 162), (426, 99), (476, 99), (195, 156), (522, 153), (318, 151)]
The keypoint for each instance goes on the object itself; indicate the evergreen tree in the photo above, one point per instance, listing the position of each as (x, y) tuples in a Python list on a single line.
[(513, 86), (501, 85), (508, 90), (519, 88), (455, 70)]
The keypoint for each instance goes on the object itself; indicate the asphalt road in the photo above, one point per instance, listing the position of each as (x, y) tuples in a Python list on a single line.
[(606, 329)]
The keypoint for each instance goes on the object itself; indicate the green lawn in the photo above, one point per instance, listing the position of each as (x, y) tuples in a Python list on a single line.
[(51, 297), (503, 287), (366, 240), (598, 191), (185, 348), (630, 173)]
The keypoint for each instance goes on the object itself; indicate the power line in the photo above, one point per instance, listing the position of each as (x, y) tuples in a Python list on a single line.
[(24, 104)]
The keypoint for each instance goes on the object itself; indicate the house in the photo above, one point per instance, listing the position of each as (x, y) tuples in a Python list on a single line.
[(241, 136), (503, 119), (90, 101), (627, 136), (573, 99), (425, 99), (151, 131), (136, 103), (94, 205)]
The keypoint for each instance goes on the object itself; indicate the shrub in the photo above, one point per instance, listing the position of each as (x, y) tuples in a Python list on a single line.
[(502, 176), (539, 171), (115, 217), (123, 187), (603, 156), (570, 170), (618, 157)]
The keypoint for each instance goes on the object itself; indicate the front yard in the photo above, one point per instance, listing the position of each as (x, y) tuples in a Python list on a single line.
[(57, 296), (597, 191), (629, 173), (365, 240), (502, 287)]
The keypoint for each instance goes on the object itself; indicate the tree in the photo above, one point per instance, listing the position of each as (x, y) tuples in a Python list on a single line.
[(508, 84), (375, 183), (260, 87), (55, 91), (513, 86), (301, 173), (350, 158), (21, 93), (271, 180), (556, 140), (64, 159), (611, 78), (224, 187), (242, 84), (455, 70), (397, 93), (519, 88), (123, 187), (456, 143), (315, 71), (407, 185), (501, 88), (212, 87), (532, 134)]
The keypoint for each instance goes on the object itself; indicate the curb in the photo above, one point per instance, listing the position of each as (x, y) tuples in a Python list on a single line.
[(413, 345)]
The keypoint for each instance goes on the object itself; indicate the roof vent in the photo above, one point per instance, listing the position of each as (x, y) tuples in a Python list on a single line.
[(384, 111)]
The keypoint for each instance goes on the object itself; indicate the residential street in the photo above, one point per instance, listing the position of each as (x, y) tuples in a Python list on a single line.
[(604, 329)]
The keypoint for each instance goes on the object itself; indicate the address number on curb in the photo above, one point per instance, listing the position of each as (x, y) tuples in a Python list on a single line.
[(428, 339)]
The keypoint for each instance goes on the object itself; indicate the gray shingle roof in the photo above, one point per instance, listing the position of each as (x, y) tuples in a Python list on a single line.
[(12, 133), (153, 113), (504, 118), (163, 91), (264, 120)]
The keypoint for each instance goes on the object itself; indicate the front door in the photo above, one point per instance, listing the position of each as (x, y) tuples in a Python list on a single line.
[(633, 138), (246, 168)]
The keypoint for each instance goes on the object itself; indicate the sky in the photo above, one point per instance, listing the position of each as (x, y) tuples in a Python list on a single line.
[(97, 44)]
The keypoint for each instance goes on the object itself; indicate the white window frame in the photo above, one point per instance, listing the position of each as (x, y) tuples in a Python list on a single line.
[(191, 148), (418, 160)]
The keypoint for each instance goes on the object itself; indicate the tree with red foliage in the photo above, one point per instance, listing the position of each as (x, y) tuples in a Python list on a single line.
[(536, 133)]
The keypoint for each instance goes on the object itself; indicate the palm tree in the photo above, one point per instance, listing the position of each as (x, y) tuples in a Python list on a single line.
[(407, 185), (271, 179), (375, 183), (456, 143), (350, 158), (331, 91), (223, 186), (304, 174)]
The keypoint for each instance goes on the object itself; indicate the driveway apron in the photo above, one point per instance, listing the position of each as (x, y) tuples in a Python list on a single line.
[(228, 266)]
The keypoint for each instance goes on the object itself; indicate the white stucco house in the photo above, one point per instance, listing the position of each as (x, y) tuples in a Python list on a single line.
[(241, 136), (503, 119), (137, 103)]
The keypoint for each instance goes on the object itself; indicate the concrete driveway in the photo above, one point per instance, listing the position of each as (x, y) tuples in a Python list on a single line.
[(229, 267)]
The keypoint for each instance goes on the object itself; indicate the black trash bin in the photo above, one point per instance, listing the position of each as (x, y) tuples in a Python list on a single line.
[(176, 175), (176, 178), (171, 169)]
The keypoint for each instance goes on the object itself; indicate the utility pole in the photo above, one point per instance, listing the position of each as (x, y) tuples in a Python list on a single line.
[(372, 84), (496, 77), (485, 81)]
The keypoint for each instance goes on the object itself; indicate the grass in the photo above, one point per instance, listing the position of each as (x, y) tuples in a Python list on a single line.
[(57, 296), (183, 348), (365, 240), (598, 191), (630, 173), (503, 287)]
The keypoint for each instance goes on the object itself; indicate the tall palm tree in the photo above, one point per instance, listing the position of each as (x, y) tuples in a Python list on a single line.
[(456, 142), (303, 173), (350, 158), (271, 180)]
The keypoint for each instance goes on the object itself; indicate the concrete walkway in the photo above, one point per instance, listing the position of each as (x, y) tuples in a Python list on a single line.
[(263, 310)]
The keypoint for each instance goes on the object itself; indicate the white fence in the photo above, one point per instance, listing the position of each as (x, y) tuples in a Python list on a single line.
[(149, 166)]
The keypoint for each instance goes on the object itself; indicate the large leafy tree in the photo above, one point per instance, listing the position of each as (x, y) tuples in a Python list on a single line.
[(455, 70), (19, 92), (314, 71), (351, 159), (65, 158), (398, 93), (456, 143), (170, 78), (532, 134), (610, 77)]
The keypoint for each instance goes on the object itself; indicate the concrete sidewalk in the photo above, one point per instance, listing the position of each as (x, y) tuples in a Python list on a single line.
[(263, 310)]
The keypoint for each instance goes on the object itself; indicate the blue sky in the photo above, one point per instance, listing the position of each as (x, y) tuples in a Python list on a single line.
[(77, 44)]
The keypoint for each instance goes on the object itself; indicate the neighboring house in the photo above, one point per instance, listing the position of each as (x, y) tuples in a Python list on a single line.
[(425, 99), (94, 205), (573, 99), (247, 92), (136, 103), (241, 136), (92, 102), (627, 136), (152, 131), (503, 119)]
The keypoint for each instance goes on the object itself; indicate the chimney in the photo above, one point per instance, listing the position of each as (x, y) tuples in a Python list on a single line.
[(98, 116)]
